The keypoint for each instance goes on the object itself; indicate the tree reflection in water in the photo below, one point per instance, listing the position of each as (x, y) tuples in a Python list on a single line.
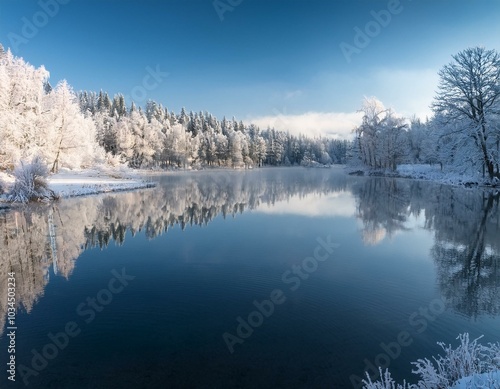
[(465, 223), (466, 226)]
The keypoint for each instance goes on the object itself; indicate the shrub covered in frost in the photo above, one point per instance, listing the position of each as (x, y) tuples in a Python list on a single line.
[(467, 360), (386, 382), (31, 182)]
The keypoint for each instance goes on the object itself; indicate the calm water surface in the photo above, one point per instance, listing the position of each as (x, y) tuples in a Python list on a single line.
[(149, 289)]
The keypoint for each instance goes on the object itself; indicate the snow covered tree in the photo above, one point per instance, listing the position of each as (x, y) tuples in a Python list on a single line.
[(392, 142), (416, 140), (469, 98), (36, 120), (72, 136), (104, 102), (235, 143), (71, 130), (21, 100), (118, 107), (381, 139), (366, 134)]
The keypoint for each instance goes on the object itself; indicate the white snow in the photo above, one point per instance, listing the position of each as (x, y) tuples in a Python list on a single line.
[(6, 178), (425, 172), (485, 380), (71, 183), (434, 173)]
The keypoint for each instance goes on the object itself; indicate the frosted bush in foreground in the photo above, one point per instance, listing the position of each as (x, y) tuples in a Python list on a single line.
[(31, 182), (386, 382), (469, 359)]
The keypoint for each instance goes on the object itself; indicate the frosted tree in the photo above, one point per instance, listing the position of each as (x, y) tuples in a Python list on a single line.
[(125, 140), (36, 120), (156, 138), (183, 117), (374, 113), (260, 150), (432, 146), (118, 107), (416, 140), (469, 97), (21, 99), (208, 147), (235, 144), (104, 102), (381, 139), (392, 142), (72, 136), (221, 145), (143, 148)]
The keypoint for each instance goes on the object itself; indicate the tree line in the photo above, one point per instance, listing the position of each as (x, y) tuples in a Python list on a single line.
[(74, 130), (157, 137)]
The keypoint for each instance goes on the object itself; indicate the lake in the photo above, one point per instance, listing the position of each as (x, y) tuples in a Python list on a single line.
[(269, 278)]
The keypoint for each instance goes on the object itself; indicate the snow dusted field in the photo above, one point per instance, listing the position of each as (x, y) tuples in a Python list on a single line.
[(71, 183)]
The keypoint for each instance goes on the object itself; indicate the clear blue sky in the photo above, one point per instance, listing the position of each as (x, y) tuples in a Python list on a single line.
[(267, 58)]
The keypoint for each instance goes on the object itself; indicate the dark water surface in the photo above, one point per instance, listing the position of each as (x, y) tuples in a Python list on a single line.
[(148, 289)]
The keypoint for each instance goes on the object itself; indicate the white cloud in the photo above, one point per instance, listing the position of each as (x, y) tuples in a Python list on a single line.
[(332, 124)]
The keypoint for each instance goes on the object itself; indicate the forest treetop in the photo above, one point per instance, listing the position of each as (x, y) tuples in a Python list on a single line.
[(79, 130)]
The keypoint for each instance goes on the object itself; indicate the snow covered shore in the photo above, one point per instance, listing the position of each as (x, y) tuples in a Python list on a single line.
[(428, 173), (485, 380), (72, 183), (86, 182)]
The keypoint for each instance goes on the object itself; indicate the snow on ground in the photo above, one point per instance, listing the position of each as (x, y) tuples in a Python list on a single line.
[(485, 380), (425, 172), (434, 173), (6, 178), (71, 183)]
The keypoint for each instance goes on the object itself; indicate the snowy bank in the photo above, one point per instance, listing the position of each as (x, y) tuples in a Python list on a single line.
[(72, 183), (434, 173), (485, 380), (426, 172)]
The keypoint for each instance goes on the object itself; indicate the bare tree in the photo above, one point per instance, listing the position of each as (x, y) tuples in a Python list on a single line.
[(469, 95), (382, 137)]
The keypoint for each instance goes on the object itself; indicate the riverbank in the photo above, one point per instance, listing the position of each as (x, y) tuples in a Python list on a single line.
[(72, 183), (428, 173)]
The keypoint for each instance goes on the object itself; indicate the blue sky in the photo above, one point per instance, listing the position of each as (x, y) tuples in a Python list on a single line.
[(269, 61)]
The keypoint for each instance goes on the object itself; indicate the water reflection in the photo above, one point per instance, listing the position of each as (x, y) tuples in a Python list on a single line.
[(466, 251), (466, 223), (383, 205), (40, 237), (466, 226)]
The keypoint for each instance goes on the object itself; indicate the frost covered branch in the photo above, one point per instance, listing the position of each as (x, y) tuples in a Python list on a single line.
[(469, 360)]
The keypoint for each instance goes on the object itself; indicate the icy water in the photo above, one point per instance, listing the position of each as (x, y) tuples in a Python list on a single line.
[(272, 278)]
